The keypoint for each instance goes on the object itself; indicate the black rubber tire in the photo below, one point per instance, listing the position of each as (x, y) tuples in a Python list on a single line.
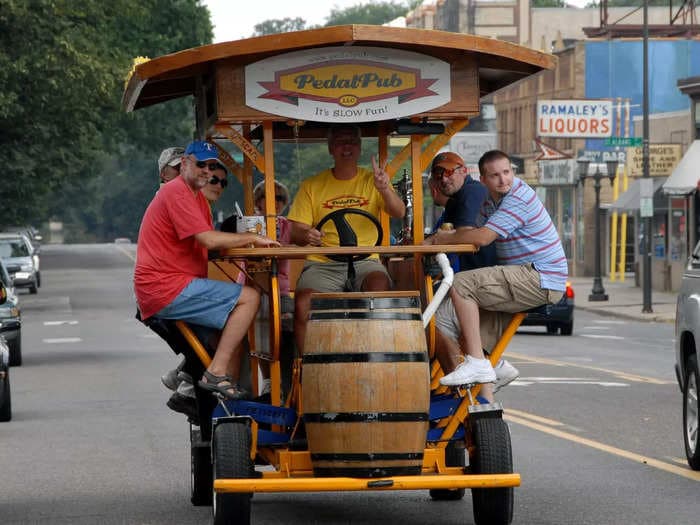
[(231, 451), (567, 328), (16, 351), (6, 403), (454, 457), (33, 288), (491, 454), (552, 328), (690, 397), (202, 470)]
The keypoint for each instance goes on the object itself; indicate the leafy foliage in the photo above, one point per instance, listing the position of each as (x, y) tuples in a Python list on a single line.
[(284, 25), (371, 13), (65, 144)]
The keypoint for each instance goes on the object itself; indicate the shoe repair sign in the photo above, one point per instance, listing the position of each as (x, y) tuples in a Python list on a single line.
[(347, 84), (574, 118)]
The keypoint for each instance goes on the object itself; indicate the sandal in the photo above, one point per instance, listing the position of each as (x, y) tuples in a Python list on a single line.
[(228, 390)]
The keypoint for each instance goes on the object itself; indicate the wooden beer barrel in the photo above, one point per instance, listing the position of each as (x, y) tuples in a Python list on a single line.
[(366, 384)]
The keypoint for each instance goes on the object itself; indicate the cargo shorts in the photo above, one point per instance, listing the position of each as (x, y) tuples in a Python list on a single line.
[(500, 291)]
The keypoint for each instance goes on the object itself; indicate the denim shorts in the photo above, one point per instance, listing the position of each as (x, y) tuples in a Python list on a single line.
[(204, 302)]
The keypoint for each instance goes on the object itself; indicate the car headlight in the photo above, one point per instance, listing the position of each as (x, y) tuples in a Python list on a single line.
[(27, 268), (9, 313)]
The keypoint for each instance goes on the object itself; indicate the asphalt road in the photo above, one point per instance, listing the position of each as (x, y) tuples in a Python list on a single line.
[(595, 421)]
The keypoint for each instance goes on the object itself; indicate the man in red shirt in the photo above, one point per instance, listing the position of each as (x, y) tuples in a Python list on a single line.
[(171, 267)]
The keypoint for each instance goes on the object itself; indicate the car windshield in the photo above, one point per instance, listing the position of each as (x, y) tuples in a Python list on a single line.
[(13, 248)]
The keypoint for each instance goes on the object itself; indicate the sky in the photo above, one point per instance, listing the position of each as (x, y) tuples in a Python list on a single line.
[(235, 19)]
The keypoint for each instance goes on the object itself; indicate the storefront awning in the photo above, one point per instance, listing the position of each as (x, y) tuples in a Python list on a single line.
[(629, 200), (684, 179)]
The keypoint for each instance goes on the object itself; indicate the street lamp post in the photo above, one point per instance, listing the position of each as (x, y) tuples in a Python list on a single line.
[(597, 292)]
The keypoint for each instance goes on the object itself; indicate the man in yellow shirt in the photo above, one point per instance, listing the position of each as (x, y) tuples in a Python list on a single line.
[(345, 185)]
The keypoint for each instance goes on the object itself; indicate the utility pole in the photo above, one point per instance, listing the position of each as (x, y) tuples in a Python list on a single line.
[(646, 308)]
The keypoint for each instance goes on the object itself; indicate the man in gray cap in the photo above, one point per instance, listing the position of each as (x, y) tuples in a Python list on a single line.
[(169, 163)]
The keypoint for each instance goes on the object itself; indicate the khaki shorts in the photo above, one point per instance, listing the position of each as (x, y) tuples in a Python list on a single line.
[(331, 276), (500, 291)]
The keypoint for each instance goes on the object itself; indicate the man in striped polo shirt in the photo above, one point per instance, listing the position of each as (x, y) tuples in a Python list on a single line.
[(532, 271)]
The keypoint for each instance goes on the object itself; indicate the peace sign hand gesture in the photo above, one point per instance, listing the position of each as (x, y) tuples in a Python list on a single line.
[(381, 177)]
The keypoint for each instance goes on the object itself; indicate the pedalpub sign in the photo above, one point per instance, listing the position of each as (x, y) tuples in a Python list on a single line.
[(575, 118), (344, 84)]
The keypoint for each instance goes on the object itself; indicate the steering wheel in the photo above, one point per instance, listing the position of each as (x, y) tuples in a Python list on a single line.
[(346, 235)]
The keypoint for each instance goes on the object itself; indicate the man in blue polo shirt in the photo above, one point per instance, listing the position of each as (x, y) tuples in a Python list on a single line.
[(532, 270)]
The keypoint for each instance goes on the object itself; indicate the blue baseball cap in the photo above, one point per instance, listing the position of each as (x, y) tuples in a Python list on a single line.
[(202, 150)]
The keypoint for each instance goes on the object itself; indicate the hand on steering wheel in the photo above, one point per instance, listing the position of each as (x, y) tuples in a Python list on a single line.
[(346, 235)]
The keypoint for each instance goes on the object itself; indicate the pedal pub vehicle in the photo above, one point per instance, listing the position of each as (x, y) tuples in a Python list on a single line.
[(394, 427)]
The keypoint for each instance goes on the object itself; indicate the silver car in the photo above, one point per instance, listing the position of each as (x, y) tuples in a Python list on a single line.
[(21, 260), (687, 341)]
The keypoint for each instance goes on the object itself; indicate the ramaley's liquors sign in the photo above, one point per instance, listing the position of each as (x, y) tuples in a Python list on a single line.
[(574, 118), (347, 84)]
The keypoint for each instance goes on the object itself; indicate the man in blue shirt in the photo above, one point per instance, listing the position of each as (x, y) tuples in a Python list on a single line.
[(532, 272), (463, 209)]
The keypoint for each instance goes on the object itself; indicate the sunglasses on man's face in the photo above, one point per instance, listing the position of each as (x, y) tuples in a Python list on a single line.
[(210, 165), (439, 171), (216, 180)]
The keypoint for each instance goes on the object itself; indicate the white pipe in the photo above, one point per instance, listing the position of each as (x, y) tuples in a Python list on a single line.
[(447, 278)]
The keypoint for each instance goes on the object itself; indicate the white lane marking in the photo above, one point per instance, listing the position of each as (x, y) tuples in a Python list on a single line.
[(58, 340), (58, 323), (125, 252), (150, 336), (597, 336), (594, 328), (541, 381), (610, 322)]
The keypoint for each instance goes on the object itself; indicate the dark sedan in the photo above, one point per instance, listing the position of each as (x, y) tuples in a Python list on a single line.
[(11, 319), (557, 317)]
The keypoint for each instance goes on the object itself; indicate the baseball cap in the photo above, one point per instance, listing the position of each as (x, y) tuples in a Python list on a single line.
[(446, 159), (170, 157), (202, 150)]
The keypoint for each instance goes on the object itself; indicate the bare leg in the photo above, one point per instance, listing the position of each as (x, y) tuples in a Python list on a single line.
[(447, 352), (227, 356), (468, 316), (376, 282), (302, 305)]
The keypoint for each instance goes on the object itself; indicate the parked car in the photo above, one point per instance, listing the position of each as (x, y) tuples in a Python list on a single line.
[(21, 260), (686, 346), (11, 318), (557, 317), (5, 401)]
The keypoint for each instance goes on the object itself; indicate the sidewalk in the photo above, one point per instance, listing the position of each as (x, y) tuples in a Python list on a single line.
[(624, 300)]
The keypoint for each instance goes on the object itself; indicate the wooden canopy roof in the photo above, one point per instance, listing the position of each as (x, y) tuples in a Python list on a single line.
[(495, 63)]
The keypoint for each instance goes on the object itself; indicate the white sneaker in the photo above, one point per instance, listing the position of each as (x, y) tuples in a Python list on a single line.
[(470, 371), (266, 387), (505, 373)]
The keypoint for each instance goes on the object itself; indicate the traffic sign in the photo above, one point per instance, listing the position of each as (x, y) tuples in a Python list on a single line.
[(624, 142)]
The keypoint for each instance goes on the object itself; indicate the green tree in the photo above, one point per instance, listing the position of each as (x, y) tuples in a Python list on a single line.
[(67, 149), (371, 13), (548, 3), (284, 25)]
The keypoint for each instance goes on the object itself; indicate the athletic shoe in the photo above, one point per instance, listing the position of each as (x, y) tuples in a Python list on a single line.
[(170, 379), (185, 405), (505, 373), (470, 371)]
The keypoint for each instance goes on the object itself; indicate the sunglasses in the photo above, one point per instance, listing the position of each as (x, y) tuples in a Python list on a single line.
[(280, 198), (210, 165), (216, 180), (439, 171)]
